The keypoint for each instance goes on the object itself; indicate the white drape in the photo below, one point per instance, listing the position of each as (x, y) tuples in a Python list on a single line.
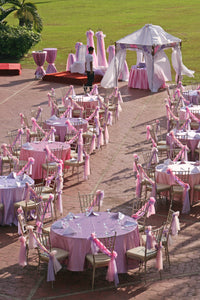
[(178, 65), (110, 78)]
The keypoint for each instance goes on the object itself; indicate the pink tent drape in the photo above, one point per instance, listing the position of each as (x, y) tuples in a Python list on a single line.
[(101, 53), (90, 43), (77, 47), (70, 60), (111, 53)]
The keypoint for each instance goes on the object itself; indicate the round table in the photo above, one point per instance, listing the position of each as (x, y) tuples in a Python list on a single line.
[(195, 109), (36, 150), (50, 58), (194, 176), (78, 244), (189, 137), (12, 189), (88, 102), (138, 78), (192, 95), (39, 58), (61, 126)]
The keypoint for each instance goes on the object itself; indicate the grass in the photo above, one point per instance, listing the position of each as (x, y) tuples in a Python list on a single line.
[(66, 22)]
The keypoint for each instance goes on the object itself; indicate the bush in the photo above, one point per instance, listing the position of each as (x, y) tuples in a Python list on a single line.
[(16, 41)]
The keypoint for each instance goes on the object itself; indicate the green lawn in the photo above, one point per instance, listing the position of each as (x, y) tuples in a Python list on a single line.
[(66, 22)]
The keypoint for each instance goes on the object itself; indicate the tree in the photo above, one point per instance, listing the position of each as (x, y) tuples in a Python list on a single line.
[(26, 12)]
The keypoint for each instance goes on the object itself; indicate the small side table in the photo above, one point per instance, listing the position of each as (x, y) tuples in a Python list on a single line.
[(51, 57), (39, 58)]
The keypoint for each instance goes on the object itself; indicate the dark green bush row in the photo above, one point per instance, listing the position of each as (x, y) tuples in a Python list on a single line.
[(16, 41)]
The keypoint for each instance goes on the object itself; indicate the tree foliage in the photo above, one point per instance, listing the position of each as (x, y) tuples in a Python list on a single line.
[(16, 41)]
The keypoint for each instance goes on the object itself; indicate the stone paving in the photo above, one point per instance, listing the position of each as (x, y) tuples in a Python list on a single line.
[(112, 172)]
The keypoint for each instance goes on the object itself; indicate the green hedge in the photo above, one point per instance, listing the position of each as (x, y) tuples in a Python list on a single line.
[(16, 41)]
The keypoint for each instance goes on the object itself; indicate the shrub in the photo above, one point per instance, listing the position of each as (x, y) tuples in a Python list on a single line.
[(16, 41)]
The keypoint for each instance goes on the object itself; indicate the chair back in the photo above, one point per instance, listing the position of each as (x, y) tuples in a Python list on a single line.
[(138, 206), (45, 211), (183, 175), (22, 223), (157, 237), (44, 239), (109, 242), (86, 201)]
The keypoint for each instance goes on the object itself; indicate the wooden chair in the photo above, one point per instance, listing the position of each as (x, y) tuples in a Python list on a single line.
[(23, 230), (142, 254), (177, 189), (166, 233), (100, 260), (86, 200), (44, 239), (74, 164), (28, 205), (50, 165), (45, 214)]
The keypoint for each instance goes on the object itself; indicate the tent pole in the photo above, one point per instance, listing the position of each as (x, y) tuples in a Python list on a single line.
[(152, 53), (116, 73)]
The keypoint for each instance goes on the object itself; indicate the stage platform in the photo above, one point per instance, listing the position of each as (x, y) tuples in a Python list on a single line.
[(10, 69), (67, 77)]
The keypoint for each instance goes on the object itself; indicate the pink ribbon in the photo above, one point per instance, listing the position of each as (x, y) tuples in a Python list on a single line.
[(159, 258), (87, 166), (27, 167), (98, 199), (22, 252), (175, 223)]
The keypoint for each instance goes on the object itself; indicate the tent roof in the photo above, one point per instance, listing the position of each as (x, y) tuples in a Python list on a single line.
[(149, 35)]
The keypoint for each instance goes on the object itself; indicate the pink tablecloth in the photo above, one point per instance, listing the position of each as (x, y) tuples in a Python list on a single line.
[(11, 191), (192, 95), (190, 137), (195, 109), (36, 150), (61, 127), (88, 102), (79, 245), (138, 78), (194, 177)]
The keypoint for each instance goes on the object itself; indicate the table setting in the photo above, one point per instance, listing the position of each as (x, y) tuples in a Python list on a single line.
[(12, 189), (73, 233)]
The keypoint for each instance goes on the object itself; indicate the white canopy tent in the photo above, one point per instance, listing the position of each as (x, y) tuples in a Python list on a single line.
[(151, 40)]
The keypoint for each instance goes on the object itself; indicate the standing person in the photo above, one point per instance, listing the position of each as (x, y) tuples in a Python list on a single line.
[(89, 69)]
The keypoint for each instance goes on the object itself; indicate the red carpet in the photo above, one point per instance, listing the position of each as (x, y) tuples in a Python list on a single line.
[(70, 78), (7, 69)]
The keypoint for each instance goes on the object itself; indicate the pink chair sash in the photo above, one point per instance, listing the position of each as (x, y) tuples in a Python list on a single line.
[(112, 268), (186, 202), (175, 223), (22, 251)]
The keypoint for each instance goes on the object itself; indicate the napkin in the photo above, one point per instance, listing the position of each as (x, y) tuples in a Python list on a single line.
[(195, 170), (120, 216), (12, 175), (70, 216), (27, 146), (91, 213), (57, 225), (129, 223), (167, 161), (53, 118), (69, 231)]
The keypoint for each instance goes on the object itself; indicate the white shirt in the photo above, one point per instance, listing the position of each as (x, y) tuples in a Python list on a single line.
[(88, 60)]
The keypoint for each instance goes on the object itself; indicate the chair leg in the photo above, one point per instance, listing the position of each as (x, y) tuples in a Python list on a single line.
[(93, 276)]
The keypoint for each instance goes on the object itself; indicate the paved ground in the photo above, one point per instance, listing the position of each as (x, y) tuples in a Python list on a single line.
[(111, 172)]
